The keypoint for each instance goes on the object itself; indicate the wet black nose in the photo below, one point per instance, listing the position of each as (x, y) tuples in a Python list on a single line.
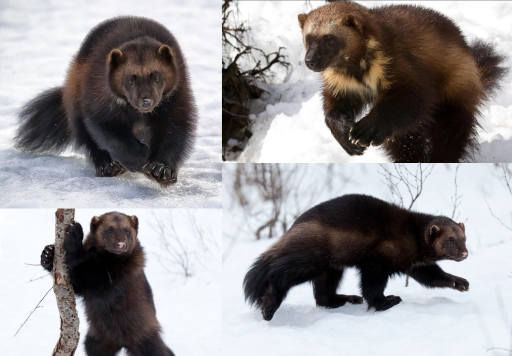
[(311, 63), (146, 103)]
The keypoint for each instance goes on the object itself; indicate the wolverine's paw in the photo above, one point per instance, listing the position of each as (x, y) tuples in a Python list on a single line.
[(110, 169), (161, 173), (354, 150), (459, 284), (389, 302), (365, 133), (47, 258), (354, 299), (74, 235)]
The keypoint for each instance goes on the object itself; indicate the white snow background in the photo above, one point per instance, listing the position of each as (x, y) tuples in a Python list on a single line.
[(288, 124), (188, 310), (426, 322), (38, 40)]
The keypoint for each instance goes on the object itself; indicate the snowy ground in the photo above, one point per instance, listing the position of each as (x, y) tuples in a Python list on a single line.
[(289, 122), (39, 39), (427, 322), (189, 311)]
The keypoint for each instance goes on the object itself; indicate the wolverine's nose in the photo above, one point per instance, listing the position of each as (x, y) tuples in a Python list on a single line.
[(121, 244), (311, 63), (146, 103), (464, 254)]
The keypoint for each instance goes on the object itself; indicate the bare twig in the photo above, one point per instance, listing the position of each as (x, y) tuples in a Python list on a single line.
[(456, 197), (32, 312), (497, 218), (497, 348)]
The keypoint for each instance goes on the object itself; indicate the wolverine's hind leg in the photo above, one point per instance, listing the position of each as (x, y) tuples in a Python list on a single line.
[(96, 346), (413, 147), (325, 286), (454, 134), (373, 282), (153, 345)]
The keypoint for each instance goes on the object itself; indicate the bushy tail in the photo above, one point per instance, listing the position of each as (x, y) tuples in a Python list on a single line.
[(43, 124), (256, 281), (489, 62)]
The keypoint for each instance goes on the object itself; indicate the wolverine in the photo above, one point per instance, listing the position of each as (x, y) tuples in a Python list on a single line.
[(377, 238), (126, 103), (107, 271), (421, 81)]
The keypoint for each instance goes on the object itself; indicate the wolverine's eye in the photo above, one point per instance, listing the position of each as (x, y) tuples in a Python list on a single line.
[(450, 241), (127, 232), (329, 40), (156, 79), (110, 230), (130, 81)]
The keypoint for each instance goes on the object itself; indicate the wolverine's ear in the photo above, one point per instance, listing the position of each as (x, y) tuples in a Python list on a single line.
[(432, 233), (434, 230), (302, 20), (95, 222), (352, 20), (165, 53), (462, 226), (135, 222), (115, 58)]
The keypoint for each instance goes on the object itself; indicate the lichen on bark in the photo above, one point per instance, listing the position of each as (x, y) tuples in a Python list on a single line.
[(64, 293)]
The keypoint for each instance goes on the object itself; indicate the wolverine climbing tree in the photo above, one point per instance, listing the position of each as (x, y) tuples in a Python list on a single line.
[(64, 293)]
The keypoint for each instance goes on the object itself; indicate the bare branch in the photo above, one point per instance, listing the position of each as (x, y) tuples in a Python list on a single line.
[(456, 197), (32, 312), (497, 218), (175, 252), (497, 348)]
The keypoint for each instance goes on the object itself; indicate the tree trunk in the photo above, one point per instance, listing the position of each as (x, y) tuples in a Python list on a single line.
[(64, 293)]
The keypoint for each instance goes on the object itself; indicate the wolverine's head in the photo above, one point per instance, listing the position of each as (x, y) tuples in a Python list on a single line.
[(113, 232), (448, 239), (142, 72), (334, 35)]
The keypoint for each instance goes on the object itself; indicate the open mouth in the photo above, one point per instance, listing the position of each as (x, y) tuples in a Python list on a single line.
[(145, 110)]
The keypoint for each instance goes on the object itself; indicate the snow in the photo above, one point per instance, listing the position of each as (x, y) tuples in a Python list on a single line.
[(39, 39), (188, 310), (426, 322), (289, 122)]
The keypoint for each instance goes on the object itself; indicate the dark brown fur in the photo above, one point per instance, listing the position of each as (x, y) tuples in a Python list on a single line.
[(126, 103), (413, 66), (378, 238), (107, 270)]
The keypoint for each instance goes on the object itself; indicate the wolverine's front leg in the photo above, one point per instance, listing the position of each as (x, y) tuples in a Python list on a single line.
[(398, 111), (432, 276), (340, 113)]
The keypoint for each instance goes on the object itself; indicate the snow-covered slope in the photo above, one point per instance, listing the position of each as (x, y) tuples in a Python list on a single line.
[(39, 39), (291, 127), (188, 310)]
